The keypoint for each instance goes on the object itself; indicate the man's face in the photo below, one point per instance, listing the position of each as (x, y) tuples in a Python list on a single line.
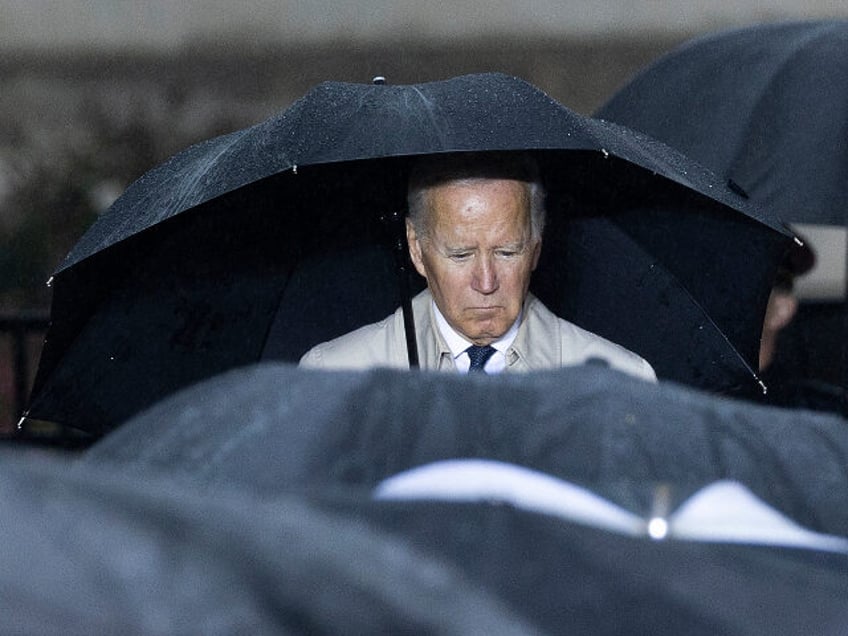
[(477, 254)]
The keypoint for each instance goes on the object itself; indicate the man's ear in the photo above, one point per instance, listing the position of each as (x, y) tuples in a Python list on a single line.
[(414, 249), (537, 251)]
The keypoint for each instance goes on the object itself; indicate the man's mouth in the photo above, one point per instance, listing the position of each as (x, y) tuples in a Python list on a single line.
[(484, 313)]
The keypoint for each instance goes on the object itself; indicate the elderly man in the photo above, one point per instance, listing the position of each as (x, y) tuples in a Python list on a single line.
[(474, 230)]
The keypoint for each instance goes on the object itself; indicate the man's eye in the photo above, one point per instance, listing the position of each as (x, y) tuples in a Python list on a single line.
[(460, 256), (507, 253)]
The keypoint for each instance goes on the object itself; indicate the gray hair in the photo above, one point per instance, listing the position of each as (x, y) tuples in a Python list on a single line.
[(467, 167)]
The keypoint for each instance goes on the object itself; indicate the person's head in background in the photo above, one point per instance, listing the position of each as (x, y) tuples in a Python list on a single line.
[(783, 304)]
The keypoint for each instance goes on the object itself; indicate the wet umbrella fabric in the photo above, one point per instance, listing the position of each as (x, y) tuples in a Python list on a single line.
[(577, 579), (761, 105), (94, 550), (261, 243), (90, 551), (271, 427), (325, 432), (765, 106)]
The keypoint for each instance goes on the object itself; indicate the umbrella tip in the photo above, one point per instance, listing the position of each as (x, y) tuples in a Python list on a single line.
[(658, 524), (379, 80)]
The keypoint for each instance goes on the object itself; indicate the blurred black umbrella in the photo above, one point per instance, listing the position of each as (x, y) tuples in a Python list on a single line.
[(766, 107), (96, 553), (577, 579), (273, 427), (96, 550), (261, 243)]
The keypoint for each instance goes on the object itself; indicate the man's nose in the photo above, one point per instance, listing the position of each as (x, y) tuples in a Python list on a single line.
[(485, 277)]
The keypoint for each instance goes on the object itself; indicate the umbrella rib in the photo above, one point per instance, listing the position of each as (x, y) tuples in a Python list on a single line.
[(720, 331)]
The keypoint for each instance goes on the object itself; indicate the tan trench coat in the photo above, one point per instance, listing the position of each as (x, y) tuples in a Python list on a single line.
[(543, 341)]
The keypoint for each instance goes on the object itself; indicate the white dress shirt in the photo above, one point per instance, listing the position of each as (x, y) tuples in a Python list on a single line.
[(458, 345)]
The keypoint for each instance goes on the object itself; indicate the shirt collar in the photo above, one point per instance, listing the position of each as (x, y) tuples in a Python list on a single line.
[(457, 344)]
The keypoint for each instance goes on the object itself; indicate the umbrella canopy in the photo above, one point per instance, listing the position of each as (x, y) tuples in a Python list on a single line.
[(97, 553), (267, 431), (764, 106), (272, 427), (577, 579), (262, 243)]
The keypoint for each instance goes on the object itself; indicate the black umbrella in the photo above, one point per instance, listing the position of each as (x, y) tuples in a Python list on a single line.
[(765, 107), (97, 550), (577, 579), (270, 430), (273, 427), (261, 243)]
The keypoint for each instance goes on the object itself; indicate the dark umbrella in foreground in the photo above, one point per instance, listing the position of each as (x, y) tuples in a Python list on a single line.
[(577, 579), (767, 108), (97, 553), (262, 243), (100, 551), (272, 427)]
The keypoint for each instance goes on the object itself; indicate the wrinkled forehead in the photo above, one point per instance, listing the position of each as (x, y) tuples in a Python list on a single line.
[(499, 192), (480, 205)]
